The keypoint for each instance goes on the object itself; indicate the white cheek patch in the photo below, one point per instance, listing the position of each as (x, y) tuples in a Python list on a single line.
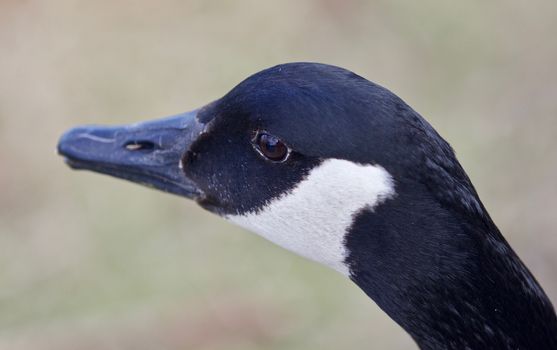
[(313, 218)]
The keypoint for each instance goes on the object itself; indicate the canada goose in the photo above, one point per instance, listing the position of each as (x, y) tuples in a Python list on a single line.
[(340, 170)]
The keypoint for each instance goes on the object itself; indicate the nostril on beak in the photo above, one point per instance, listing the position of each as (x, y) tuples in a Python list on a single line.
[(140, 146)]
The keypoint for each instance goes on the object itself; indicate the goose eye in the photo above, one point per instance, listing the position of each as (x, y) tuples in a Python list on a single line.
[(271, 147)]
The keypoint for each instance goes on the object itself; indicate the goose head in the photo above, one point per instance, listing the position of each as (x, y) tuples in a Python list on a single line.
[(340, 170)]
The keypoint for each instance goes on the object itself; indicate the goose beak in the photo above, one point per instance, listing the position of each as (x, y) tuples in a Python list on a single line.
[(148, 153)]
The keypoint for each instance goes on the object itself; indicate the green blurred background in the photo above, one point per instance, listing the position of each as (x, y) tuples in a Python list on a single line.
[(89, 262)]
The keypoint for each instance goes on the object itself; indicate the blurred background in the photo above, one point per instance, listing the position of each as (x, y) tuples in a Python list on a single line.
[(91, 262)]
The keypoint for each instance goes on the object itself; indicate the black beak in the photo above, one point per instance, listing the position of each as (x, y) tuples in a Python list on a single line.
[(148, 153)]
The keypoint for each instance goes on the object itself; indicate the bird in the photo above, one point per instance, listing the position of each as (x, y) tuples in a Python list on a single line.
[(340, 170)]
